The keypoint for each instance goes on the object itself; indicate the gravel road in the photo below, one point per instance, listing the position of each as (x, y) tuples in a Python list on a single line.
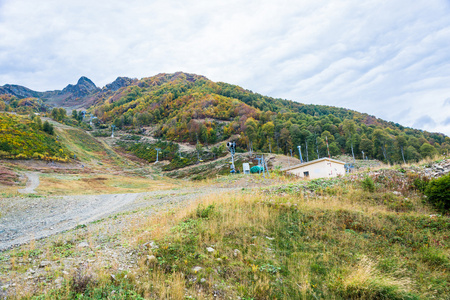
[(28, 218), (33, 182)]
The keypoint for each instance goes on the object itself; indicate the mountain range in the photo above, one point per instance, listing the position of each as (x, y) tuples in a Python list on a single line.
[(182, 107), (77, 94)]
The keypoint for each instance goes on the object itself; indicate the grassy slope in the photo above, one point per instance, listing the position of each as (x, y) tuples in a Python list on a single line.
[(328, 239), (89, 149)]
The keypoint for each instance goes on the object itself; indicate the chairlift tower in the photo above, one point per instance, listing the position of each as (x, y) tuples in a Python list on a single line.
[(262, 164), (92, 118), (232, 148), (112, 127)]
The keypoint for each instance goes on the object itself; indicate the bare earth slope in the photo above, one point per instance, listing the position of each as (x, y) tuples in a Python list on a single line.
[(33, 183), (26, 219)]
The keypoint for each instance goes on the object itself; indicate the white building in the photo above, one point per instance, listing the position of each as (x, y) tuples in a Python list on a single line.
[(319, 168)]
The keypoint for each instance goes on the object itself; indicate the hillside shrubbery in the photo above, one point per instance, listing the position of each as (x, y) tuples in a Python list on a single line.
[(24, 138), (169, 151), (438, 192)]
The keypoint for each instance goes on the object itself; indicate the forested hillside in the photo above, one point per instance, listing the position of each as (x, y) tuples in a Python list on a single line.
[(191, 108), (29, 137)]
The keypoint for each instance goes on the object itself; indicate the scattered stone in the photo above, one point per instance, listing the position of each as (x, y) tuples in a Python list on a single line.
[(151, 245), (91, 260), (31, 271), (236, 252), (151, 259), (83, 245), (210, 249), (59, 281), (44, 263), (270, 238), (396, 193), (202, 280), (196, 269)]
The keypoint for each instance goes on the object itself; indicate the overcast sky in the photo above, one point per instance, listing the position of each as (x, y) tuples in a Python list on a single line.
[(388, 58)]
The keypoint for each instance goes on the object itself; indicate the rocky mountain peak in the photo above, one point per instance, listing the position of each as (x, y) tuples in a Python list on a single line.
[(84, 87), (119, 83)]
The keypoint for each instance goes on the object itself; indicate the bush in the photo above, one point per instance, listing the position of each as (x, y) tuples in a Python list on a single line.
[(368, 184), (438, 192), (420, 184), (205, 213)]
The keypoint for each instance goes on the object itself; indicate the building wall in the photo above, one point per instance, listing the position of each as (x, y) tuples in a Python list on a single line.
[(321, 169)]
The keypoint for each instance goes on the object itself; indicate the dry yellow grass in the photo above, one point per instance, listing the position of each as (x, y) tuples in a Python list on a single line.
[(100, 184)]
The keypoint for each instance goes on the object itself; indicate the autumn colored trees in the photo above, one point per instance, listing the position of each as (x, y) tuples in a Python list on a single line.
[(190, 108), (24, 138)]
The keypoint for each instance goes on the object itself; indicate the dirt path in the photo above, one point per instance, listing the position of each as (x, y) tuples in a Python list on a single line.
[(32, 183), (24, 219)]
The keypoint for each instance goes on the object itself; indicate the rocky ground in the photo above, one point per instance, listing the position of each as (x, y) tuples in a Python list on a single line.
[(86, 229), (436, 169), (83, 232)]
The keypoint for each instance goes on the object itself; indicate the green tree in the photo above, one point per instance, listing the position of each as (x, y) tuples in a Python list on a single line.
[(47, 127), (412, 154), (349, 128), (251, 130), (401, 144), (426, 150), (438, 192), (366, 145)]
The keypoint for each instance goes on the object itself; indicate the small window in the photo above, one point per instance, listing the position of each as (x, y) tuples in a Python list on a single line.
[(306, 174)]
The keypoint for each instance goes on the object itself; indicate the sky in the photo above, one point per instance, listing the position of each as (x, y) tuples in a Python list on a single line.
[(387, 58)]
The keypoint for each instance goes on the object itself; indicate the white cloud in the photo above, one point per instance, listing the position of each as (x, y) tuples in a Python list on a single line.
[(379, 57)]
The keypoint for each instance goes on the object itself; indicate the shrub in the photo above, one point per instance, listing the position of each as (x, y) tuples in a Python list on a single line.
[(368, 184), (205, 213), (438, 192)]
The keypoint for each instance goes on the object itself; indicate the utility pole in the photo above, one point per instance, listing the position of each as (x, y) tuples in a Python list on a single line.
[(351, 144), (300, 153), (157, 154), (403, 156), (306, 143), (317, 148), (328, 149)]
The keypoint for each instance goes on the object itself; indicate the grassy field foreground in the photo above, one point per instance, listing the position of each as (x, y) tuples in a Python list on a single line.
[(335, 239)]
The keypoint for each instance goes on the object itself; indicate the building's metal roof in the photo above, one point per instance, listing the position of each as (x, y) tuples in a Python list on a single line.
[(313, 162)]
